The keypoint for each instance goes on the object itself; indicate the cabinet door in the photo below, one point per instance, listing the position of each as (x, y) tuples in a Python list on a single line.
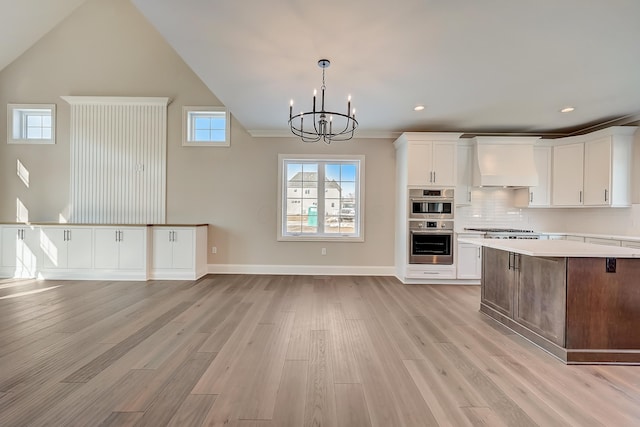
[(20, 250), (444, 163), (597, 172), (183, 248), (465, 175), (162, 248), (498, 280), (539, 195), (567, 175), (132, 249), (54, 247), (469, 261), (79, 248), (420, 161), (541, 296), (105, 248)]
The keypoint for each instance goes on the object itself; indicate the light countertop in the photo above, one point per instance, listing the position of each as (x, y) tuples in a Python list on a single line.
[(555, 248)]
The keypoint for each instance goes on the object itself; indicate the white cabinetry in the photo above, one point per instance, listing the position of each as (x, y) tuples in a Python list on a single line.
[(594, 169), (423, 159), (66, 248), (429, 162), (21, 253), (630, 244), (601, 241), (568, 175), (469, 263), (179, 252), (540, 195), (465, 175), (121, 251)]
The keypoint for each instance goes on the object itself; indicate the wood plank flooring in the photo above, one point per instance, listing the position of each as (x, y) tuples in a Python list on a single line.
[(244, 350)]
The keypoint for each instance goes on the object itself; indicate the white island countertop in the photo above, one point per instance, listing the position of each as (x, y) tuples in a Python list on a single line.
[(555, 248)]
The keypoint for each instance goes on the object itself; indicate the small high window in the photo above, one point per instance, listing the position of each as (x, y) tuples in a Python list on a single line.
[(206, 126), (31, 124)]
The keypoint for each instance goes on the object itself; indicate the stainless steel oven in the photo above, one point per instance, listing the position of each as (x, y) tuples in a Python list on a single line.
[(431, 242), (429, 203)]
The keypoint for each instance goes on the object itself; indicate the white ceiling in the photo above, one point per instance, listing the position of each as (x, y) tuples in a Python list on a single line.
[(478, 66)]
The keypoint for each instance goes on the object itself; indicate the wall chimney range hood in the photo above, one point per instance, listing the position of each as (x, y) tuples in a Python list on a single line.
[(504, 162)]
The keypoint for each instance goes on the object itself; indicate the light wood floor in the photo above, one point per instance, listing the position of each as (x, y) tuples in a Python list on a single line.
[(284, 351)]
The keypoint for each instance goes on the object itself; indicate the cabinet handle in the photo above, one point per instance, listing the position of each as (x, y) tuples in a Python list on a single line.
[(116, 235), (469, 193), (531, 197), (516, 261), (478, 253), (434, 177), (581, 196), (605, 195), (121, 234), (510, 254)]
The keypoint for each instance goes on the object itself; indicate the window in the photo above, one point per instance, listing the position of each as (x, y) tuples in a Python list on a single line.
[(205, 126), (330, 207), (31, 124)]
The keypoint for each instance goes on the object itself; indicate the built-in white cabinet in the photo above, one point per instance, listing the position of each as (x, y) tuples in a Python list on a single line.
[(121, 250), (469, 261), (66, 247), (594, 169), (430, 162), (21, 252), (601, 241), (630, 244), (568, 163), (465, 174), (540, 195), (178, 252)]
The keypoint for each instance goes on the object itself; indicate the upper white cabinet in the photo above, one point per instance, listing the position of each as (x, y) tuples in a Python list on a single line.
[(539, 195), (179, 252), (568, 163), (431, 158), (594, 169), (465, 174)]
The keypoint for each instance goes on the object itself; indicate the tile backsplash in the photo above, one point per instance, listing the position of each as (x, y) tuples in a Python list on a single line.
[(494, 207)]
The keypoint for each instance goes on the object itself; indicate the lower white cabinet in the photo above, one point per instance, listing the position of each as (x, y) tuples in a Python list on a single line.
[(469, 261), (21, 253), (121, 252), (103, 252), (179, 252)]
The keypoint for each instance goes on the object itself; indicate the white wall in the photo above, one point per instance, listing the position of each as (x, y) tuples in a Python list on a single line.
[(106, 47)]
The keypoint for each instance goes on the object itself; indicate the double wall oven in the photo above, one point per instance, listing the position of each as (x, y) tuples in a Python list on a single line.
[(431, 226)]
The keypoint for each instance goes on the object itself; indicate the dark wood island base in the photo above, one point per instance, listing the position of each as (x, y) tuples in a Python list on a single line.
[(581, 310)]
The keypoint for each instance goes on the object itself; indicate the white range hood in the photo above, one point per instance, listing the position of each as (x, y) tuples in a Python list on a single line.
[(504, 162)]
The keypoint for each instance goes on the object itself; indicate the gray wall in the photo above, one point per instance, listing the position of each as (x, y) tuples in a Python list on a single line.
[(107, 48)]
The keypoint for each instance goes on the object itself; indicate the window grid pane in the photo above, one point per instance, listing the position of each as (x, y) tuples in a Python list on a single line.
[(207, 126), (339, 202)]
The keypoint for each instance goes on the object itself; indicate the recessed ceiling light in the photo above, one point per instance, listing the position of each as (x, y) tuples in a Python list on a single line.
[(567, 109), (418, 108)]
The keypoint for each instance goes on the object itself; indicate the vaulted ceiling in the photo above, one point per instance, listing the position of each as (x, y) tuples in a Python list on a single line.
[(492, 66)]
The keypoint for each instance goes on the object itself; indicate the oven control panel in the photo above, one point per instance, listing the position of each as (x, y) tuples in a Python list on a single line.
[(431, 225)]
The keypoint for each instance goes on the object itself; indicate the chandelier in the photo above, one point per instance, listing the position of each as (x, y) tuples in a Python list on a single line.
[(328, 126)]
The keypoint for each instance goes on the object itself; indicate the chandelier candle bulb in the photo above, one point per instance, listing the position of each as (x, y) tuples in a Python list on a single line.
[(290, 109), (314, 100)]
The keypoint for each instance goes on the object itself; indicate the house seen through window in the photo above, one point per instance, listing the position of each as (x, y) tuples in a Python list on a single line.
[(328, 205)]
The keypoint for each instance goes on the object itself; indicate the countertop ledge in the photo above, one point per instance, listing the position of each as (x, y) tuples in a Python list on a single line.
[(555, 248), (65, 224), (565, 233)]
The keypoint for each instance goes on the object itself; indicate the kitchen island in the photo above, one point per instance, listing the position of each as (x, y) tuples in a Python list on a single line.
[(578, 301)]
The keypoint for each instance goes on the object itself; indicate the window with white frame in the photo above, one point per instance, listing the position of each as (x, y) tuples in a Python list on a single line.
[(206, 126), (329, 205), (31, 124)]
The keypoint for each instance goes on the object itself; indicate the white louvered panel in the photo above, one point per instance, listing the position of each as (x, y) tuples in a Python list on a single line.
[(118, 159)]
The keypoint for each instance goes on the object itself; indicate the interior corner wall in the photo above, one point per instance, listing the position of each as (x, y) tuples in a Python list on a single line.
[(107, 48)]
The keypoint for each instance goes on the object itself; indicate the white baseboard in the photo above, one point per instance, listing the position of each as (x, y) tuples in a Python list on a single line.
[(305, 270)]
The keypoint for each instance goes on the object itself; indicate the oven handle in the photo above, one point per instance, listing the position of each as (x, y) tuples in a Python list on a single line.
[(447, 232), (435, 199)]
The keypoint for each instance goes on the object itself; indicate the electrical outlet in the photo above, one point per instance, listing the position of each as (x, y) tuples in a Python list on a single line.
[(324, 251), (214, 250)]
